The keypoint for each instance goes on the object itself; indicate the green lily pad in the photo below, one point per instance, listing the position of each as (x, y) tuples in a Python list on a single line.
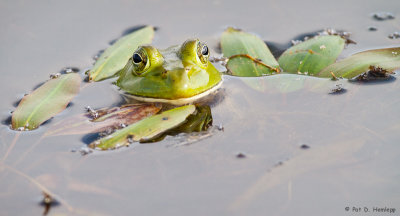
[(115, 57), (313, 55), (45, 102), (388, 59), (248, 55), (146, 129)]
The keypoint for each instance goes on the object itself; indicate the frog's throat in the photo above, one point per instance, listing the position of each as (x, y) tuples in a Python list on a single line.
[(176, 102)]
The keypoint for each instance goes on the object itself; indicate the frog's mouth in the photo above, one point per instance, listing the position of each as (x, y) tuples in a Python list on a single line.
[(177, 102)]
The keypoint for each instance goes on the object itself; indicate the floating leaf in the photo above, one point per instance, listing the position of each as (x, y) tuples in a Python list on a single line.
[(388, 59), (115, 57), (146, 129), (45, 102), (248, 55), (112, 118), (313, 55), (287, 83)]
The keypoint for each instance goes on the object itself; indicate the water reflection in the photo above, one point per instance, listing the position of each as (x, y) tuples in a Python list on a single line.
[(201, 120), (353, 137)]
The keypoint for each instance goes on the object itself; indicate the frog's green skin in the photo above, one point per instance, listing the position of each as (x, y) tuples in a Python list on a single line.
[(177, 75)]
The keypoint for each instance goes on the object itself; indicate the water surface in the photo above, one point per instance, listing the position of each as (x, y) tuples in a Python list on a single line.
[(353, 137)]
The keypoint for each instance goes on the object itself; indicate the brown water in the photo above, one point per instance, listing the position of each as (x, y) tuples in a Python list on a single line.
[(353, 137)]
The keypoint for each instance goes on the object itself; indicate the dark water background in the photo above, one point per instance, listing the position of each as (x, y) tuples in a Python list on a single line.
[(353, 137)]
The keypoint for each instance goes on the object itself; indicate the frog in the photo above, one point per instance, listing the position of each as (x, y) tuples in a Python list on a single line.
[(178, 75)]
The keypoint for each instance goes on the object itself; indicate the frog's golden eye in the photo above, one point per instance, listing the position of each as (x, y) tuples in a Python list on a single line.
[(140, 61), (202, 52), (136, 58)]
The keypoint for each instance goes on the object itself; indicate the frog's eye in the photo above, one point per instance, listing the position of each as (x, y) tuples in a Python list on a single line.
[(136, 58), (140, 61), (202, 52)]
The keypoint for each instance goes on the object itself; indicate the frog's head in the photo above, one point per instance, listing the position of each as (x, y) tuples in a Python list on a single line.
[(177, 73)]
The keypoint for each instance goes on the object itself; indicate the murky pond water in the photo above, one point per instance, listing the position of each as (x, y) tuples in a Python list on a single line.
[(259, 164)]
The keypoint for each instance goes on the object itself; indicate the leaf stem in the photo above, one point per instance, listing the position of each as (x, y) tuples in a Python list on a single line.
[(10, 148), (277, 70)]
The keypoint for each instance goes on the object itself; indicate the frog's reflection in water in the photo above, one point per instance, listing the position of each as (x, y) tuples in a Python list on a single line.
[(201, 120), (198, 123)]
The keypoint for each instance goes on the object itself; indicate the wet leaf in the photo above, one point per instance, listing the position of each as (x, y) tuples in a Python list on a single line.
[(45, 102), (115, 57), (388, 59), (248, 55), (146, 129), (113, 118), (313, 55)]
